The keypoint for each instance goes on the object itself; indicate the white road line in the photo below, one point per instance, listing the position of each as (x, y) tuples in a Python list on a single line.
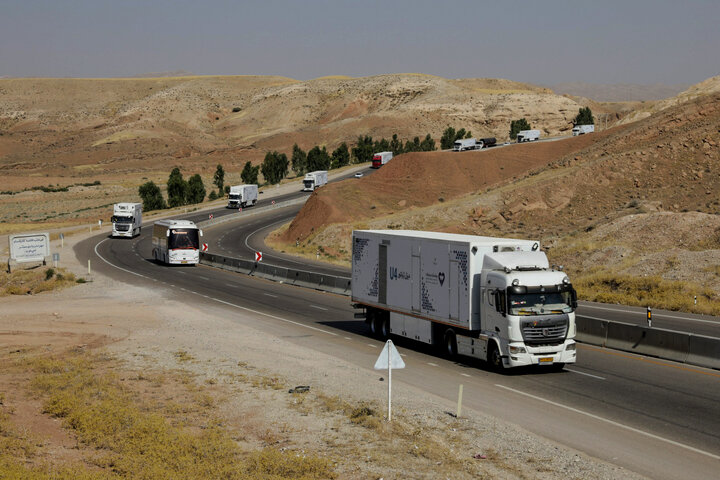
[(270, 295), (319, 308), (583, 373), (231, 284), (371, 345), (611, 422), (432, 364), (465, 375), (221, 301), (654, 314), (347, 338)]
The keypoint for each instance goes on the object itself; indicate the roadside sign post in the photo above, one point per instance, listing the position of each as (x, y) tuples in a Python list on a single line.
[(258, 257), (649, 317), (389, 358), (56, 259), (62, 240), (204, 247), (28, 247)]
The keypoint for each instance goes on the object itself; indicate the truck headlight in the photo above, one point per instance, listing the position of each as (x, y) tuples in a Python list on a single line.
[(516, 349), (570, 348)]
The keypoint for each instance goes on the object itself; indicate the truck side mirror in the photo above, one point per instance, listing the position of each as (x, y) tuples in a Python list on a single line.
[(167, 233), (201, 234), (573, 296)]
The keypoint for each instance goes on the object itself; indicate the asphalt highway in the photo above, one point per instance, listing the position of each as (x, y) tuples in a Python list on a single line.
[(654, 417)]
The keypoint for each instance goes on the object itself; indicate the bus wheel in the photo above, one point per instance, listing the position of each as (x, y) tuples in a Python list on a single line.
[(494, 357), (450, 344)]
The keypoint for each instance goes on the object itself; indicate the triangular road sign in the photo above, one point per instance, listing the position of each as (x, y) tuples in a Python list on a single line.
[(396, 360)]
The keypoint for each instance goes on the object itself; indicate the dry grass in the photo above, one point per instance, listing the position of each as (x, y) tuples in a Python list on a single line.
[(651, 291), (132, 438), (36, 280)]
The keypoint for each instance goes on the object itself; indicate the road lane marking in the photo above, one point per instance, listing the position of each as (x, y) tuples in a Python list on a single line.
[(586, 374), (371, 345), (639, 357), (611, 422), (270, 295), (655, 314), (465, 375), (319, 308), (257, 312), (432, 364), (204, 278)]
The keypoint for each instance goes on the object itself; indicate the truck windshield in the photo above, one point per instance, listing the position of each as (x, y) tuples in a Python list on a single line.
[(308, 183), (541, 303), (117, 219), (234, 196), (183, 238)]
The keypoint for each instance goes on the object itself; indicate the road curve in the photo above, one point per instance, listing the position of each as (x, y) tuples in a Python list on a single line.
[(654, 417)]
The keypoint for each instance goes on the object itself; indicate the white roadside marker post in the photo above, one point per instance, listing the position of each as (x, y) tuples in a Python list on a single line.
[(459, 406), (389, 358)]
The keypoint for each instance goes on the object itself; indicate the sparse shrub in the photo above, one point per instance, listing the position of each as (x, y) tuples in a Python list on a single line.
[(49, 273)]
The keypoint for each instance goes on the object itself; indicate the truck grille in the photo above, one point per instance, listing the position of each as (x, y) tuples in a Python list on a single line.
[(545, 331), (122, 228)]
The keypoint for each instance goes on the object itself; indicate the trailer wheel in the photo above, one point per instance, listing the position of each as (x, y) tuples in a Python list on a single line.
[(450, 344), (494, 357), (384, 328), (373, 322)]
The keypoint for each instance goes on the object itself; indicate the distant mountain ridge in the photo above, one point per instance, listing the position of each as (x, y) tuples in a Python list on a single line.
[(619, 92)]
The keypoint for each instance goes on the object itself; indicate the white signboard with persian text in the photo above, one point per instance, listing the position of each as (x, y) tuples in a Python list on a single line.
[(29, 247)]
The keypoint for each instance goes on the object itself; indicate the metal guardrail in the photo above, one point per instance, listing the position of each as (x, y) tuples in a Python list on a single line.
[(249, 212)]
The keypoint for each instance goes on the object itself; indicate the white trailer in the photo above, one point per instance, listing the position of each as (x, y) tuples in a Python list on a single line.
[(176, 242), (314, 180), (582, 129), (242, 196), (465, 144), (126, 219), (495, 299), (528, 136), (381, 158)]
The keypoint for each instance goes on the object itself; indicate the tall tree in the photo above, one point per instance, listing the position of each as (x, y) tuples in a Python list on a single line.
[(517, 126), (363, 151), (274, 168), (151, 196), (318, 159), (448, 138), (298, 160), (177, 189), (196, 189), (584, 117), (219, 178), (340, 156), (396, 145), (428, 144), (249, 174)]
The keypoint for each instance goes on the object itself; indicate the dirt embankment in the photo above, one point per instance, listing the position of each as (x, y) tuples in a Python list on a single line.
[(422, 179)]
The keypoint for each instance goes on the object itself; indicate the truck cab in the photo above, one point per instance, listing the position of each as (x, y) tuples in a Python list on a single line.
[(532, 311)]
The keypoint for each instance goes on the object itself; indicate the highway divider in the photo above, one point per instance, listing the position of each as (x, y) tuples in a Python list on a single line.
[(301, 278), (654, 342)]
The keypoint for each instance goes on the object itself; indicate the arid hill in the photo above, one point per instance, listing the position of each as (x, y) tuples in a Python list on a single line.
[(638, 199)]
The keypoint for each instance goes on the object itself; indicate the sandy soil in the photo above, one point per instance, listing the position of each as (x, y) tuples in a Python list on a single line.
[(94, 316)]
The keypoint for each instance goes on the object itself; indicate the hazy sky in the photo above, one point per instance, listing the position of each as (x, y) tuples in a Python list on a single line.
[(608, 41)]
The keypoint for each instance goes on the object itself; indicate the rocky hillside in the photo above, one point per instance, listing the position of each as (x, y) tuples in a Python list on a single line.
[(639, 199), (59, 128)]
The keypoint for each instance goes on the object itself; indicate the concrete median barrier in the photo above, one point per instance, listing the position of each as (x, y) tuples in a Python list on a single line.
[(624, 336), (591, 330), (704, 351)]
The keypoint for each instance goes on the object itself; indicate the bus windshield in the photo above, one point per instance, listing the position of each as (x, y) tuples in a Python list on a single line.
[(541, 303), (186, 238)]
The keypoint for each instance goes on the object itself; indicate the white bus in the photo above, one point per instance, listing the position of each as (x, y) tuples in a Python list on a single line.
[(176, 242)]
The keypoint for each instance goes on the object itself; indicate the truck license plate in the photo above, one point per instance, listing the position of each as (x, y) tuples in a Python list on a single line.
[(546, 360), (183, 261)]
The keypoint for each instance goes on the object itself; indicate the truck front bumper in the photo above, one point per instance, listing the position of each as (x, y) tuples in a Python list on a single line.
[(544, 355)]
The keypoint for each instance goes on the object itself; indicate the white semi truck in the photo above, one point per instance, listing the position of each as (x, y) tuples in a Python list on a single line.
[(582, 129), (464, 144), (242, 196), (495, 299), (126, 219), (528, 136), (314, 180)]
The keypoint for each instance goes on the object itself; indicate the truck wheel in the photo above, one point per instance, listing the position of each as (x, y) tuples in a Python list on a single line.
[(494, 357), (384, 328), (450, 344), (373, 322)]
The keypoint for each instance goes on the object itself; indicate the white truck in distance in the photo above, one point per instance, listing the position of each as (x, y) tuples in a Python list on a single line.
[(314, 180), (582, 129), (528, 136), (464, 144), (126, 219), (242, 196), (495, 299)]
